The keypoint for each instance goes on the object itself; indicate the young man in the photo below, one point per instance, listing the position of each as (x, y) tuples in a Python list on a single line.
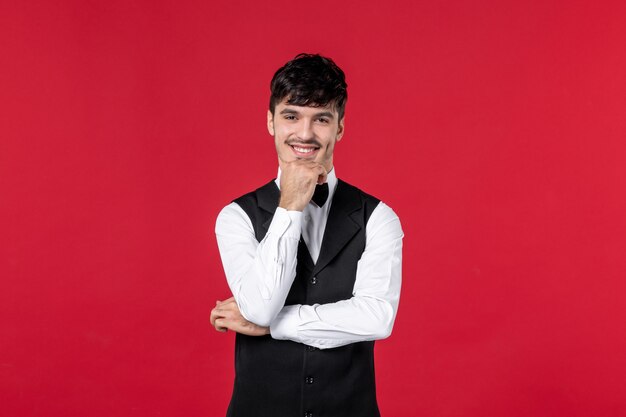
[(314, 264)]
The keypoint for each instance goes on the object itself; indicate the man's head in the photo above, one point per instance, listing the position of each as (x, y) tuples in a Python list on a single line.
[(306, 113)]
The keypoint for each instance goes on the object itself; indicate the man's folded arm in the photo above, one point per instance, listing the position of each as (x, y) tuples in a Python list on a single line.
[(370, 313), (259, 274)]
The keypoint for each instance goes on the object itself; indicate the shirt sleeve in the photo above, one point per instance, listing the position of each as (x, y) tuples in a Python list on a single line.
[(370, 313), (259, 274)]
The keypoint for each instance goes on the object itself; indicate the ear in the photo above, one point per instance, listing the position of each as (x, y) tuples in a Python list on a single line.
[(340, 129), (270, 122)]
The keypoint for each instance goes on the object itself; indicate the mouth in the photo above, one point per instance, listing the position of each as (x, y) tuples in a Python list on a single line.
[(304, 151)]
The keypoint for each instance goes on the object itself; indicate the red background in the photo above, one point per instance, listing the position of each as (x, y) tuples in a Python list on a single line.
[(496, 130)]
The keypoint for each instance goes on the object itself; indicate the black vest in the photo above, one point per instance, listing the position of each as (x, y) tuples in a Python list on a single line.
[(279, 378)]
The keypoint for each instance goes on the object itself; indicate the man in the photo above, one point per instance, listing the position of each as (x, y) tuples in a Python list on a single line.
[(314, 264)]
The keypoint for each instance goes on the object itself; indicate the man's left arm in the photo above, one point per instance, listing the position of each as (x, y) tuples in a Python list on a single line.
[(370, 313)]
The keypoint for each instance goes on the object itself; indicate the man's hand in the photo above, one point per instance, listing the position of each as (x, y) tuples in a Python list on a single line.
[(297, 182), (226, 315)]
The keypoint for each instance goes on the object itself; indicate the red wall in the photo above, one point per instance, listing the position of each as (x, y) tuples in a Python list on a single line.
[(496, 130)]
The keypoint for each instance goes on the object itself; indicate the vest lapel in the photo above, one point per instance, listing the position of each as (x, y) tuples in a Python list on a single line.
[(268, 197), (304, 256), (340, 226)]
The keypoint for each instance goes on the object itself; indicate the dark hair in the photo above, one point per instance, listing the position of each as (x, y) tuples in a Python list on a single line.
[(310, 80)]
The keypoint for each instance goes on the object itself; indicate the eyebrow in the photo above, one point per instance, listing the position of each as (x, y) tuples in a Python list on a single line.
[(320, 114), (328, 114)]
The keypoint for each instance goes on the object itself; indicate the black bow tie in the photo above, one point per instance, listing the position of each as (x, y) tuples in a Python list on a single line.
[(321, 194)]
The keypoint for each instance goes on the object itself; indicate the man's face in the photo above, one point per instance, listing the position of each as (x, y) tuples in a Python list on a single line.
[(302, 132)]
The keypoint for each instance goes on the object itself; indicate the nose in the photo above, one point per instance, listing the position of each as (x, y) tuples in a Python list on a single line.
[(305, 130)]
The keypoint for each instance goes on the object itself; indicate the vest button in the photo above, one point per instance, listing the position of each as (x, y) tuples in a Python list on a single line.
[(308, 380), (311, 348), (314, 280), (308, 414)]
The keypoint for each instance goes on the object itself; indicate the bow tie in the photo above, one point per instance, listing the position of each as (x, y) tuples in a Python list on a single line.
[(321, 194)]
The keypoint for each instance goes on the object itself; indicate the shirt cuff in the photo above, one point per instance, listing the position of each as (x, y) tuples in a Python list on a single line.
[(286, 223), (285, 325)]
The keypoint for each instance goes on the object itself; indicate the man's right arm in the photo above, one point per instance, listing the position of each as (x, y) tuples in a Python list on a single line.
[(259, 274)]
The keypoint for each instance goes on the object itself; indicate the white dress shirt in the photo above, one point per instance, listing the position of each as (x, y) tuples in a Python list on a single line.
[(260, 274)]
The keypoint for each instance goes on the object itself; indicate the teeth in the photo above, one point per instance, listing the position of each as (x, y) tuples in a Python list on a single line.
[(304, 150)]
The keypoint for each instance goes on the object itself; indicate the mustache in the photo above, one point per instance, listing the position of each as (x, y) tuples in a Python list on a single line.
[(292, 142)]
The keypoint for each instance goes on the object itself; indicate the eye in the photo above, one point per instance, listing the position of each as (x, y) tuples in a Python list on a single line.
[(323, 120), (289, 117)]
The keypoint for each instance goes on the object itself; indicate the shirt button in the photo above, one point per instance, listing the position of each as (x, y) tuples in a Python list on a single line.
[(308, 380), (314, 280), (307, 217)]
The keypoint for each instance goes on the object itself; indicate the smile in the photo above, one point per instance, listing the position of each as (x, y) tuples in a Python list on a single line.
[(300, 150), (303, 150)]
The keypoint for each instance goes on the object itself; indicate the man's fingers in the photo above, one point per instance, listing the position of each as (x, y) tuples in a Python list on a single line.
[(321, 173), (222, 309), (314, 170), (321, 179), (214, 316), (226, 310), (226, 307), (317, 171), (221, 325), (298, 163)]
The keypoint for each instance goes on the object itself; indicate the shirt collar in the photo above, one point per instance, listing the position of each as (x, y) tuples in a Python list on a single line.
[(331, 179)]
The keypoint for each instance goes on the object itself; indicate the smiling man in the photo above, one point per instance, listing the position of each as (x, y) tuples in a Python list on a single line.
[(314, 264)]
